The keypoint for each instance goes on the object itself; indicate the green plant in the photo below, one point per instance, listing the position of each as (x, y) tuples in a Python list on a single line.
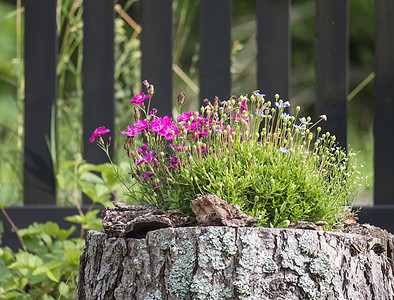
[(245, 150), (46, 266)]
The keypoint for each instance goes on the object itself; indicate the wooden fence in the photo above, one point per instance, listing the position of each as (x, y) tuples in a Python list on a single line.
[(273, 61)]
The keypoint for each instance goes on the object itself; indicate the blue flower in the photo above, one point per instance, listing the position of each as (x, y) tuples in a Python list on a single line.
[(282, 105), (286, 116), (258, 95), (284, 150), (261, 114), (303, 127), (304, 121)]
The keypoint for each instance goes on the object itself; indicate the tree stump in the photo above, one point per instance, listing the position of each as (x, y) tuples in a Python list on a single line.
[(236, 263)]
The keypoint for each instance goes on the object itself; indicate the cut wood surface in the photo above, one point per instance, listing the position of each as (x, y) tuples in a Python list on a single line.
[(237, 263)]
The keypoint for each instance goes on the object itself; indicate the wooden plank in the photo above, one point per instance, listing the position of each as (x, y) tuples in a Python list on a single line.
[(156, 47), (378, 215), (331, 66), (40, 97), (22, 217), (384, 102), (215, 49), (273, 48), (98, 74)]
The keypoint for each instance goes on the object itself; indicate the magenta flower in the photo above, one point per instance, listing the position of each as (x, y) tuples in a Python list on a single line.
[(98, 132), (131, 131), (243, 106), (143, 149), (141, 125), (185, 117), (164, 127), (147, 175), (174, 162), (179, 147), (145, 159), (153, 112), (139, 99)]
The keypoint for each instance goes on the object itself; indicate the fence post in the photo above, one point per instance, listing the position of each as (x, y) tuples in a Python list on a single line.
[(331, 66), (384, 102), (98, 74), (215, 49), (40, 98), (156, 47), (273, 47)]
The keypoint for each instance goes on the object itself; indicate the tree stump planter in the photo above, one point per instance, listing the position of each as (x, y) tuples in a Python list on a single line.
[(236, 263)]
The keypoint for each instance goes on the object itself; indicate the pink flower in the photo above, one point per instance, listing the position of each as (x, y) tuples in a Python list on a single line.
[(147, 175), (143, 149), (98, 132), (131, 131), (164, 127), (185, 117), (139, 99), (145, 159), (141, 125), (179, 147)]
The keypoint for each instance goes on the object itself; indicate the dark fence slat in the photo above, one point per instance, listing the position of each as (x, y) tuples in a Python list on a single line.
[(384, 102), (273, 48), (156, 47), (215, 49), (98, 74), (331, 66), (40, 97)]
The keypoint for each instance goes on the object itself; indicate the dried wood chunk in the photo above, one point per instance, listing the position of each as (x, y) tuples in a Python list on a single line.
[(213, 211), (135, 221)]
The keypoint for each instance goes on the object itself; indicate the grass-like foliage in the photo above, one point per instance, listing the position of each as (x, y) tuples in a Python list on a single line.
[(247, 151)]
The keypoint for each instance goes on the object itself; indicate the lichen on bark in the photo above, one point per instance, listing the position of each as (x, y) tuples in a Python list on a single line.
[(236, 263)]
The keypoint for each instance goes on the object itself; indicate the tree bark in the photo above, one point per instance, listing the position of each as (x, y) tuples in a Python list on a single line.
[(236, 263)]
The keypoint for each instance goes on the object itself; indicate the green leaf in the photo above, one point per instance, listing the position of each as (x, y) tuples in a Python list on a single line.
[(40, 270), (283, 224), (90, 177), (76, 219), (72, 255), (63, 234), (54, 275), (91, 167), (82, 219), (51, 228)]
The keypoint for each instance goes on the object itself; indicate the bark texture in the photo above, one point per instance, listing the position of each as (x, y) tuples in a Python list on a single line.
[(236, 263)]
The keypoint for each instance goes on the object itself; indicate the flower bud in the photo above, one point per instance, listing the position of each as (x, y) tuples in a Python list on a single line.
[(298, 108), (136, 113), (277, 97), (181, 98)]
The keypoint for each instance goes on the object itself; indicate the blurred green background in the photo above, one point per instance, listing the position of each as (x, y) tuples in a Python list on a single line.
[(128, 81)]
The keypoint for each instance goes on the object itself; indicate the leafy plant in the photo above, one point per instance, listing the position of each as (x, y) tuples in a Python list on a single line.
[(47, 270), (46, 266), (247, 151)]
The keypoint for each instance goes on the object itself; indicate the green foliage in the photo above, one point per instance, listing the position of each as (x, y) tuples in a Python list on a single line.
[(248, 152), (48, 270)]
